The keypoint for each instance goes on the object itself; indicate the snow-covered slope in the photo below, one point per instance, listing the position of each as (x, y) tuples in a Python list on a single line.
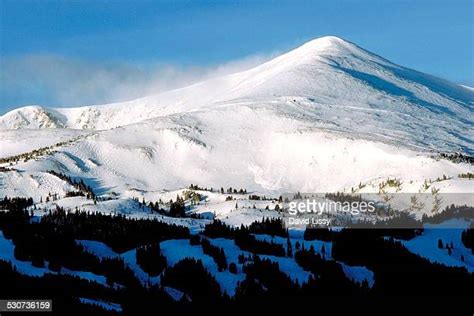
[(327, 116), (248, 146)]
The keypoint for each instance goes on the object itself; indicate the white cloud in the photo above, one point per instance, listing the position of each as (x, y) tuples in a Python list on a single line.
[(60, 81)]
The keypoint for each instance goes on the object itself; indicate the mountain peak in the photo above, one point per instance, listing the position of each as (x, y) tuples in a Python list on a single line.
[(330, 46), (329, 40), (328, 43)]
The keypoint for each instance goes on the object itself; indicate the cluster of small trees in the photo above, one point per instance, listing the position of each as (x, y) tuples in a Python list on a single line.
[(262, 198), (467, 237), (118, 273), (155, 207), (218, 229), (450, 212), (457, 157), (248, 242), (15, 203), (36, 152), (74, 193), (217, 253), (396, 223), (343, 197), (27, 156), (79, 185), (245, 240), (198, 188), (193, 197), (190, 276), (231, 190), (467, 175), (53, 196), (448, 246), (264, 278), (177, 208), (150, 258), (270, 226), (331, 279), (118, 232)]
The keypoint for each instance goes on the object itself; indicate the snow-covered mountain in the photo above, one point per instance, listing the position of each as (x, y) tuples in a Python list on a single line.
[(332, 82), (326, 116)]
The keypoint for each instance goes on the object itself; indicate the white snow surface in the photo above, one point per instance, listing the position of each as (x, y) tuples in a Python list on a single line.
[(15, 142), (175, 294), (102, 304), (358, 274), (426, 245)]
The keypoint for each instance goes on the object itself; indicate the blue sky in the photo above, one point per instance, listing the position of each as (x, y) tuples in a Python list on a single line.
[(86, 52)]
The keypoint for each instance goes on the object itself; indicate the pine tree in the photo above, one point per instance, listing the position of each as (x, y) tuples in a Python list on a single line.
[(233, 268), (440, 244), (289, 248)]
